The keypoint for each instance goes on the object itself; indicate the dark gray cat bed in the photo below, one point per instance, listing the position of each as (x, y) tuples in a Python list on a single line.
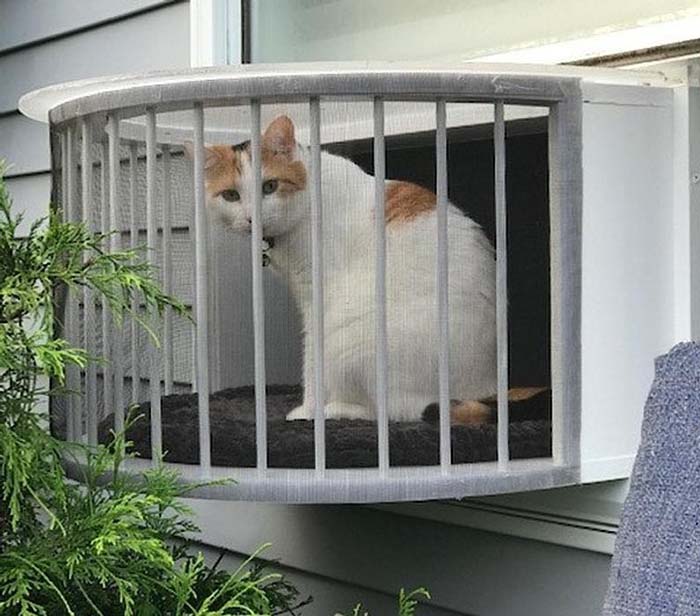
[(348, 443)]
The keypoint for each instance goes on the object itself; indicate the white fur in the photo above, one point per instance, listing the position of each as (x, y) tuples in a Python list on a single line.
[(348, 254)]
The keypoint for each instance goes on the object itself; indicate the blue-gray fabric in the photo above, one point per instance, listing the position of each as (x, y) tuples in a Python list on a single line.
[(656, 565)]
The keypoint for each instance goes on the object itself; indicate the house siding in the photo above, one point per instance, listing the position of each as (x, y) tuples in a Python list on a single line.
[(73, 40), (467, 571)]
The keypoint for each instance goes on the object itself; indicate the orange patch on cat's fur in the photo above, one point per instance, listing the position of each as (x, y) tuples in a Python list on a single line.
[(278, 148), (470, 413), (291, 175), (518, 394), (222, 168), (405, 201), (224, 163), (477, 412)]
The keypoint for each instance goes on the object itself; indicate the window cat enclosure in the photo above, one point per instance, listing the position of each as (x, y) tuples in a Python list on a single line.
[(504, 148)]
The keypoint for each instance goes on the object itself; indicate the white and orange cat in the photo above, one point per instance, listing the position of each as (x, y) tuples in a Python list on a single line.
[(348, 257)]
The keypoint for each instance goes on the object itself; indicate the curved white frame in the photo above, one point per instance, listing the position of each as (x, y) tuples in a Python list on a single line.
[(120, 98)]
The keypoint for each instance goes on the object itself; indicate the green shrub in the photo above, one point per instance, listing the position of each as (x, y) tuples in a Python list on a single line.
[(110, 543)]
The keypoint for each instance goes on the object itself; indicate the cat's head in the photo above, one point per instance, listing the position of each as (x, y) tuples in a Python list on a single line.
[(229, 181)]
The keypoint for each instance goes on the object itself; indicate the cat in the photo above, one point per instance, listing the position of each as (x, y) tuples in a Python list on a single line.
[(349, 285)]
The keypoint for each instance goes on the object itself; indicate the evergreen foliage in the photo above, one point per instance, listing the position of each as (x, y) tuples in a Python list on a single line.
[(110, 543)]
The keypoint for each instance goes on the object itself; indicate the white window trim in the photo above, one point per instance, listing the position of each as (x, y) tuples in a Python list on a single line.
[(601, 44), (212, 39)]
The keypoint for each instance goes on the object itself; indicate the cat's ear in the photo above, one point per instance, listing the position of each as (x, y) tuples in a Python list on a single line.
[(213, 153), (279, 137)]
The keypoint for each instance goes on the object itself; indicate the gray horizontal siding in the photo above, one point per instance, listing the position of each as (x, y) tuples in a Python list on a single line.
[(149, 41), (28, 21), (30, 196), (329, 596), (147, 35), (24, 144), (467, 571)]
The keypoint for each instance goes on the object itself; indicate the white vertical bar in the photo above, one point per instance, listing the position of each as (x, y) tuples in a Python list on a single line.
[(193, 312), (214, 312), (380, 286), (443, 284), (258, 299), (499, 148), (64, 172), (66, 312), (64, 208), (193, 308), (152, 243), (216, 299), (556, 178), (108, 401), (88, 296), (133, 243), (201, 291), (317, 286), (73, 426), (167, 271), (114, 246)]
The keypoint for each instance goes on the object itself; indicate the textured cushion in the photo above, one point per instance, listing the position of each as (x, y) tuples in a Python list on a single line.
[(656, 564), (349, 443)]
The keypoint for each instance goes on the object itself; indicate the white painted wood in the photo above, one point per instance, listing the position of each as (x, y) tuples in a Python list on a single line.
[(319, 390), (167, 271), (154, 354), (202, 293), (381, 343), (694, 199), (72, 324), (232, 29), (258, 295), (208, 32), (628, 261), (682, 236), (37, 103), (133, 243), (115, 245), (107, 330), (89, 206), (441, 284), (499, 149)]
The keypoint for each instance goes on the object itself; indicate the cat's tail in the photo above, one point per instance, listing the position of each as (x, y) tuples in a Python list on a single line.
[(523, 403)]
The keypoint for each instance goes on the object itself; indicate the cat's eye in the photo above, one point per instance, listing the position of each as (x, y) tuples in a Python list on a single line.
[(230, 195), (269, 186)]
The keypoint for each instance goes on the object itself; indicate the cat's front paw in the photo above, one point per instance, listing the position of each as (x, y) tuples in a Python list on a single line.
[(300, 412)]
